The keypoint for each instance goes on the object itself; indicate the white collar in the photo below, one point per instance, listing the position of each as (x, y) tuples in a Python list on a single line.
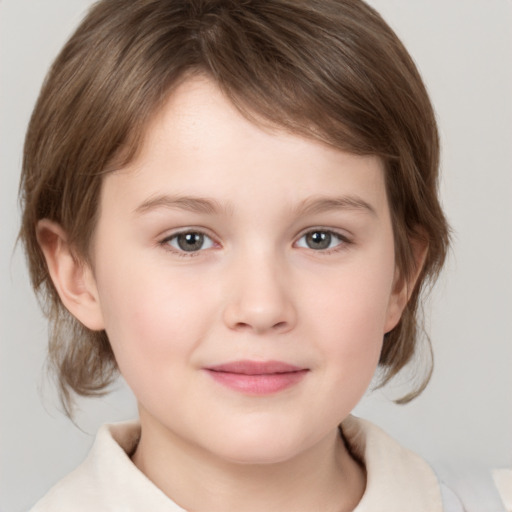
[(397, 479)]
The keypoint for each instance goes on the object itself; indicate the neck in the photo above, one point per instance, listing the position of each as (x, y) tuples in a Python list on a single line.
[(324, 477)]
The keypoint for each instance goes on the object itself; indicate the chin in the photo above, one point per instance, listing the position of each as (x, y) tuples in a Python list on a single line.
[(259, 448)]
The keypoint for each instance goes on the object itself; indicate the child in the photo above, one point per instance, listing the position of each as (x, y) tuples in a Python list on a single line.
[(234, 205)]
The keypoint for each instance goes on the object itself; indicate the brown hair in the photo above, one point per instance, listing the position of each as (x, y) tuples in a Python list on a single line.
[(329, 69)]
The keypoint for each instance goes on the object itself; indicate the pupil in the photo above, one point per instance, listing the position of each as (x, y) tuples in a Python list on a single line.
[(190, 241), (318, 240)]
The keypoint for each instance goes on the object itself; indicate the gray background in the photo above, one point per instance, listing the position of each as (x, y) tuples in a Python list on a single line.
[(463, 421)]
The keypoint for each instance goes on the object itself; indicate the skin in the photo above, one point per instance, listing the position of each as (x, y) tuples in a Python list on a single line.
[(256, 290)]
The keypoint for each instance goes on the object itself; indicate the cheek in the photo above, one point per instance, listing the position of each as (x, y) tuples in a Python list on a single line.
[(356, 299), (352, 352), (351, 314), (151, 319)]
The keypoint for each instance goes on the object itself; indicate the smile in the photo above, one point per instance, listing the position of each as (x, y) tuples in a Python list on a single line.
[(257, 378)]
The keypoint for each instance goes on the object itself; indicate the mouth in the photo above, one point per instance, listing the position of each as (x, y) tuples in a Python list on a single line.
[(257, 377)]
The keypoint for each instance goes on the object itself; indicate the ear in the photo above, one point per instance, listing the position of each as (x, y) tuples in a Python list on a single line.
[(403, 287), (72, 278)]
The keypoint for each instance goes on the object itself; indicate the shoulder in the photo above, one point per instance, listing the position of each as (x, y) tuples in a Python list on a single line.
[(397, 478), (107, 480), (81, 489)]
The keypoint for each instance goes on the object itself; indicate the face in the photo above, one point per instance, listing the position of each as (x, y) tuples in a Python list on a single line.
[(245, 278)]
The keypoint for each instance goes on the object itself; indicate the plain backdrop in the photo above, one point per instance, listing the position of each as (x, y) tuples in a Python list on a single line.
[(462, 423)]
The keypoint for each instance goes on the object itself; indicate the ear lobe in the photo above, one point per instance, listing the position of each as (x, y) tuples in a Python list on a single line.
[(72, 278), (403, 287)]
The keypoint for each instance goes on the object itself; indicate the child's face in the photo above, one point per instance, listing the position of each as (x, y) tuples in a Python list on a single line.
[(290, 258)]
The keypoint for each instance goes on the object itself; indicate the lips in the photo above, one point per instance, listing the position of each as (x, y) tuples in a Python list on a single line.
[(255, 367), (257, 377)]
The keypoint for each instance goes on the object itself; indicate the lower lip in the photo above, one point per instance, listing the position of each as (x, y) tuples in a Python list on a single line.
[(261, 384)]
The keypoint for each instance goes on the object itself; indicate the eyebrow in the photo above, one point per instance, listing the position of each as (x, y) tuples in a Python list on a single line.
[(192, 204), (204, 205), (313, 206)]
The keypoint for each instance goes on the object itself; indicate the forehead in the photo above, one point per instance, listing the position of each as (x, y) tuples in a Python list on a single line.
[(199, 143)]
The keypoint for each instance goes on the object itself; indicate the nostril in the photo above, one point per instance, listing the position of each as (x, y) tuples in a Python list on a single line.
[(259, 315), (242, 325)]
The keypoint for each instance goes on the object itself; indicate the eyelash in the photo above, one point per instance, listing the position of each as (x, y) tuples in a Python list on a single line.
[(343, 242), (165, 243)]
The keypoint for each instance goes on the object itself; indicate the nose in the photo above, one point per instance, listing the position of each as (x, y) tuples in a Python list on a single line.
[(260, 297)]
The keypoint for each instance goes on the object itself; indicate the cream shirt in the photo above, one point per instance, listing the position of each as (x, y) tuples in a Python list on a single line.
[(107, 481)]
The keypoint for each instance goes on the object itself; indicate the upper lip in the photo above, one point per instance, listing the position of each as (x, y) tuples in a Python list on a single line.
[(255, 367)]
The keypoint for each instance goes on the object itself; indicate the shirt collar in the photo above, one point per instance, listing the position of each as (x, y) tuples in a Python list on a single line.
[(397, 479)]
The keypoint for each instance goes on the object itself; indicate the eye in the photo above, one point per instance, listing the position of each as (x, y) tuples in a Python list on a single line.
[(320, 240), (189, 241)]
